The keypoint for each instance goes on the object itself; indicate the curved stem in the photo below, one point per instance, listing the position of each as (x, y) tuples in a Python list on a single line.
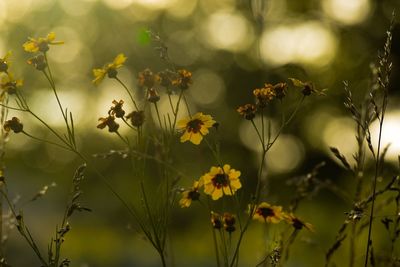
[(129, 93)]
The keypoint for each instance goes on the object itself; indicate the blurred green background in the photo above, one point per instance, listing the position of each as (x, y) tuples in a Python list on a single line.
[(232, 47)]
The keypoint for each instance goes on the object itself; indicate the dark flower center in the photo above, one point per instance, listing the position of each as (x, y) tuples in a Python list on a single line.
[(194, 195), (3, 65), (220, 180), (297, 224), (194, 125), (266, 212)]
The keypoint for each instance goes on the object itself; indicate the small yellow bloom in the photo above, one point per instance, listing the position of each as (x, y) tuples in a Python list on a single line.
[(9, 85), (265, 212), (219, 181), (297, 223), (307, 88), (191, 194), (41, 44), (4, 62), (195, 128), (229, 222), (110, 69), (216, 220)]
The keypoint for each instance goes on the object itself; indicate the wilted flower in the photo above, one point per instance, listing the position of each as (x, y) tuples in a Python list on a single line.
[(110, 122), (152, 95), (191, 194), (195, 127), (117, 109), (4, 63), (136, 117), (280, 90), (110, 69), (297, 223), (41, 44), (14, 125), (184, 79), (229, 222), (265, 212), (219, 181), (9, 84), (264, 95), (38, 62), (147, 78), (216, 220), (165, 78), (248, 111)]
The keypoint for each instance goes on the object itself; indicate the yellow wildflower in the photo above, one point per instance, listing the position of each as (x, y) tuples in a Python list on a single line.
[(195, 127), (41, 44), (9, 84), (4, 63), (265, 212), (297, 223), (216, 220), (219, 181), (110, 69), (307, 88), (229, 222), (191, 194)]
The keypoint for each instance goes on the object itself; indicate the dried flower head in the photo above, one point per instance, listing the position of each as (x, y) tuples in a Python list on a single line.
[(280, 90), (4, 62), (38, 62), (219, 181), (41, 44), (109, 69), (297, 223), (14, 125), (184, 79), (165, 78), (195, 127), (265, 212), (147, 78), (264, 95), (190, 195), (229, 222), (152, 95), (117, 110), (9, 84), (109, 122), (248, 111), (216, 220), (136, 117)]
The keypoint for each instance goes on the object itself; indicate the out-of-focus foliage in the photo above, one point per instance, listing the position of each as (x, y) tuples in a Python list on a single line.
[(232, 47)]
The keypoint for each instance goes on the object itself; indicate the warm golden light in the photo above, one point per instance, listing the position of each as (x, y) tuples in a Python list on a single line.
[(308, 43), (347, 11)]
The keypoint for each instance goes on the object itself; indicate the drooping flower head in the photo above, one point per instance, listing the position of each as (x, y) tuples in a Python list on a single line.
[(190, 195), (248, 111), (229, 222), (4, 62), (147, 78), (109, 122), (184, 79), (265, 212), (219, 181), (14, 125), (117, 110), (109, 69), (195, 127), (216, 220), (38, 62), (307, 88), (9, 84), (137, 118), (41, 44), (280, 90), (297, 223)]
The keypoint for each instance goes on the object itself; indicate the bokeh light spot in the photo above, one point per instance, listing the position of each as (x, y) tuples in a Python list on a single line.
[(347, 11)]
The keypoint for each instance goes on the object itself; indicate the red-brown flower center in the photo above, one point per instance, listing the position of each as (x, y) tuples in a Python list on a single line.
[(194, 126), (220, 180), (265, 212)]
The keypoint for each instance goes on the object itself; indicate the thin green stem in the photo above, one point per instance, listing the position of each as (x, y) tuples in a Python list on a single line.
[(46, 141), (129, 93)]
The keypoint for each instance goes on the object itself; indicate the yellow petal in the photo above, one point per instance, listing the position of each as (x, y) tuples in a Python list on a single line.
[(119, 60), (196, 138), (185, 137), (30, 47), (208, 189), (235, 184), (217, 194), (228, 190), (51, 37), (183, 123), (99, 75)]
